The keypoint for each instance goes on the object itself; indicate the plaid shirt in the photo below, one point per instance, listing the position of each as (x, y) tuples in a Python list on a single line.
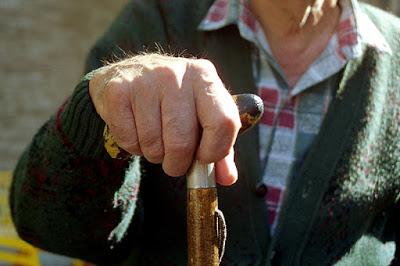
[(293, 116)]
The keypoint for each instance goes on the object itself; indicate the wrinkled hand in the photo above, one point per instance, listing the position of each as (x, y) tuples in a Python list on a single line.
[(169, 110)]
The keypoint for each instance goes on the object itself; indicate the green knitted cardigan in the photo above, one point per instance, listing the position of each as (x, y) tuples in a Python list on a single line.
[(69, 197)]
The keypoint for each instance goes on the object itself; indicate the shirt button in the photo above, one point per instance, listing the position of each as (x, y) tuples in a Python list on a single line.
[(261, 190)]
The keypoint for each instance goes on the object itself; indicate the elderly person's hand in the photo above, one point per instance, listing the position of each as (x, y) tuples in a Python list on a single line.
[(170, 110)]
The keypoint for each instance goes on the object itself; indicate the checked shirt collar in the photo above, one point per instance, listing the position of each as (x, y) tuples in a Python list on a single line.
[(354, 31), (292, 116)]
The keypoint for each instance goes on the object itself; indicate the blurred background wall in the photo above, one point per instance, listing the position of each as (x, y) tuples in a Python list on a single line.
[(42, 49)]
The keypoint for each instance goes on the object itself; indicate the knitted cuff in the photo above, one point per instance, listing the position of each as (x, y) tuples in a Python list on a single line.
[(81, 125)]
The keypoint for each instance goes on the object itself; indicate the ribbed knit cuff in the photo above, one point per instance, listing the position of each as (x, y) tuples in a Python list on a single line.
[(80, 123)]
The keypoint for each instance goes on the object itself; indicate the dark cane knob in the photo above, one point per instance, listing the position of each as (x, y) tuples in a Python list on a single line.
[(251, 108)]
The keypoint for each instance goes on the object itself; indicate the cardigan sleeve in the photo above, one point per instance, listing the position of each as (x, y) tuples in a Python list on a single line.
[(68, 195)]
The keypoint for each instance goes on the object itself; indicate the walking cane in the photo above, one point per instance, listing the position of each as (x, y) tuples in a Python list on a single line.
[(204, 220)]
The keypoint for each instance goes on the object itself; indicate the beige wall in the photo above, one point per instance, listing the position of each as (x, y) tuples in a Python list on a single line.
[(43, 44)]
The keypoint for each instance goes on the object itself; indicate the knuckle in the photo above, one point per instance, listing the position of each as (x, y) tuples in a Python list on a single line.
[(138, 82), (174, 171), (161, 76), (139, 88), (130, 146), (220, 151), (206, 65), (124, 139), (228, 125), (152, 149), (204, 76), (166, 72), (115, 91), (181, 149), (203, 66), (227, 128), (153, 156), (167, 76)]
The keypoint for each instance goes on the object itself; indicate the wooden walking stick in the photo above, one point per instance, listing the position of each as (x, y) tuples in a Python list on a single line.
[(205, 248)]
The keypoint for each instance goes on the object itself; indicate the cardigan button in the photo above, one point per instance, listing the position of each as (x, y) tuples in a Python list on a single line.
[(261, 190)]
